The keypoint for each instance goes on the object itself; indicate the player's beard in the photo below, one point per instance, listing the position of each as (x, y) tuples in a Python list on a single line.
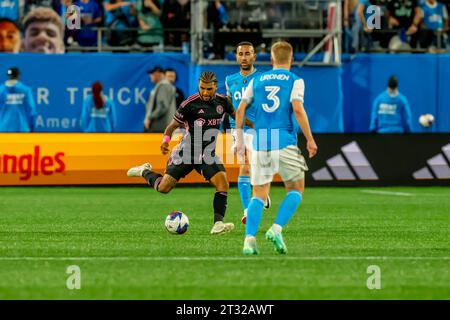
[(206, 98), (246, 67)]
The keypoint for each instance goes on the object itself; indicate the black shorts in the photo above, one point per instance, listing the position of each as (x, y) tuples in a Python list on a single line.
[(179, 170)]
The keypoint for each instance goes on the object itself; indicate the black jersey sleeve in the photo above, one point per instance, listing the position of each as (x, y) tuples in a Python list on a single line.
[(182, 113), (228, 105)]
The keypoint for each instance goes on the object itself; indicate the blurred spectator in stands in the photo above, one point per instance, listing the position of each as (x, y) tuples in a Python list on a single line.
[(276, 11), (244, 21), (447, 5), (372, 36), (435, 21), (216, 19), (17, 107), (98, 114), (62, 8), (9, 36), (404, 16), (176, 14), (43, 32), (102, 9), (91, 17), (350, 24), (33, 4), (217, 15), (171, 76), (161, 104), (120, 17), (244, 16), (390, 111), (150, 27), (9, 9)]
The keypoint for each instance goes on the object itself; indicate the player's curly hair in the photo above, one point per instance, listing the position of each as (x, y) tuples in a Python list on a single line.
[(208, 77)]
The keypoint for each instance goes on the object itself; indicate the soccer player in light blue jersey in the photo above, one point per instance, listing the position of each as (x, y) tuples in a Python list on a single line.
[(275, 95), (17, 107), (236, 85), (391, 112)]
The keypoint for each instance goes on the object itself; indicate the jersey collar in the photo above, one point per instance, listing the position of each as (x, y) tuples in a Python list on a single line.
[(392, 93), (254, 70), (11, 83)]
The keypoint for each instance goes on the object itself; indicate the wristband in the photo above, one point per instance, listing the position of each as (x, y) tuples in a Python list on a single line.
[(166, 139)]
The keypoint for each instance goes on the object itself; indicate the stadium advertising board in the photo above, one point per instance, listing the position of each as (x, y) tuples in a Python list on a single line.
[(78, 159), (380, 160), (342, 160)]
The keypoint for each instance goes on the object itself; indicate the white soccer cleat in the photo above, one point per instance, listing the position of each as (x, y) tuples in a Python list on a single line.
[(137, 171), (268, 203), (220, 227)]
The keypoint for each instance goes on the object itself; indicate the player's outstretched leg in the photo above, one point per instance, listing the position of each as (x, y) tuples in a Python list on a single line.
[(154, 179), (219, 180), (138, 170), (287, 209)]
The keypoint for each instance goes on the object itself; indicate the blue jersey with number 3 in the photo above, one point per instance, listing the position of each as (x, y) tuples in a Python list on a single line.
[(270, 94)]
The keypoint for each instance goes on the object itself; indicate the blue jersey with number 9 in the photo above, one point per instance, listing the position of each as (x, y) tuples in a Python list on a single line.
[(270, 94)]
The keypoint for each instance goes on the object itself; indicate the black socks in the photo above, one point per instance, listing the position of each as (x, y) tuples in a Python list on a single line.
[(152, 178), (220, 206)]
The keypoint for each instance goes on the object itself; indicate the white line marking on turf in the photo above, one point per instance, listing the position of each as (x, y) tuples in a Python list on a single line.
[(212, 258), (389, 193)]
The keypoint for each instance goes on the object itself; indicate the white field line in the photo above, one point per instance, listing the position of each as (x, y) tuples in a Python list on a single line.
[(389, 193), (221, 258)]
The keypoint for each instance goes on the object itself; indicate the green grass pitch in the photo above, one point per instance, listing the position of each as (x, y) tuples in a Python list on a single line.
[(116, 236)]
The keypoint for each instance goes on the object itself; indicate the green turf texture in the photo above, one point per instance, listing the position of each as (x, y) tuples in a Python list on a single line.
[(330, 241)]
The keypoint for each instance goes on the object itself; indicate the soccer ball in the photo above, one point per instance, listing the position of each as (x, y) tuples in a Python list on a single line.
[(426, 120), (177, 222)]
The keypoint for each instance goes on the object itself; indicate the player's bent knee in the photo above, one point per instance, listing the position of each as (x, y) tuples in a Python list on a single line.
[(223, 187), (298, 185), (220, 182), (166, 184)]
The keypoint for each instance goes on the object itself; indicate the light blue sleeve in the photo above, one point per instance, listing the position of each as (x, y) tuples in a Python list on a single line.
[(406, 116), (31, 109), (374, 116)]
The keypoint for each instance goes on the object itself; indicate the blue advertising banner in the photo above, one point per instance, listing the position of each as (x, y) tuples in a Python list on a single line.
[(60, 82), (337, 99)]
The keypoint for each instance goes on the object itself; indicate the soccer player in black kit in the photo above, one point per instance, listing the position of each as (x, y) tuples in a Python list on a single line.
[(201, 115)]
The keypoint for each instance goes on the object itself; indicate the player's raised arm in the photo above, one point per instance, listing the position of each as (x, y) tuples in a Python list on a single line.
[(303, 122), (168, 135)]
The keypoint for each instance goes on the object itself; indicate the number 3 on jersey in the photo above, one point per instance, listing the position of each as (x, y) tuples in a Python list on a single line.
[(273, 90)]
